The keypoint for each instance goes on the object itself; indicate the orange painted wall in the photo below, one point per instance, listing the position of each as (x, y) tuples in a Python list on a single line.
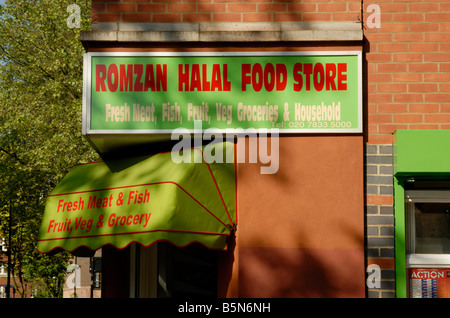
[(301, 231)]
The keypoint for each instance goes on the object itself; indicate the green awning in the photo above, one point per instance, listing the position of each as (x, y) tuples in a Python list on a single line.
[(144, 200)]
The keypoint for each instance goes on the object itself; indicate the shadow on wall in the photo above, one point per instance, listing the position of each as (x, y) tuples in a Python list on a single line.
[(301, 231), (225, 262), (301, 273)]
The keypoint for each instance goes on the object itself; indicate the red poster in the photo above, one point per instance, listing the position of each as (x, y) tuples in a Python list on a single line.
[(429, 283)]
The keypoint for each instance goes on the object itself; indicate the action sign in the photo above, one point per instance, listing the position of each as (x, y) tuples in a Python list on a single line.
[(295, 92)]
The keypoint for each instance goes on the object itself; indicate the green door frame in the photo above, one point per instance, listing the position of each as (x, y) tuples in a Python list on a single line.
[(399, 242), (417, 154)]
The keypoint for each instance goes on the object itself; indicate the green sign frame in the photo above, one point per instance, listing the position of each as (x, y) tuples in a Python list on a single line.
[(158, 92)]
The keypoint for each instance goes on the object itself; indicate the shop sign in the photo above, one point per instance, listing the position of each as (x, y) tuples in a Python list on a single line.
[(295, 92)]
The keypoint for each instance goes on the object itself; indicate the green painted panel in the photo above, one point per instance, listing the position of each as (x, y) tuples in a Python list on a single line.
[(421, 152)]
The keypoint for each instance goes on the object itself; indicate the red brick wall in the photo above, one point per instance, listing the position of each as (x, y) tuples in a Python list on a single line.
[(225, 10), (408, 69)]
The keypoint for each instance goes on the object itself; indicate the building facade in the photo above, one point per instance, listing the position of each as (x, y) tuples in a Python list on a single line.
[(325, 224), (406, 89)]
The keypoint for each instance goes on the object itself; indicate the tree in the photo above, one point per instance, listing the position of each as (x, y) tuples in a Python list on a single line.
[(41, 61)]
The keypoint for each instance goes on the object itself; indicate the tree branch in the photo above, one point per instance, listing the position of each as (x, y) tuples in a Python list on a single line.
[(12, 155)]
